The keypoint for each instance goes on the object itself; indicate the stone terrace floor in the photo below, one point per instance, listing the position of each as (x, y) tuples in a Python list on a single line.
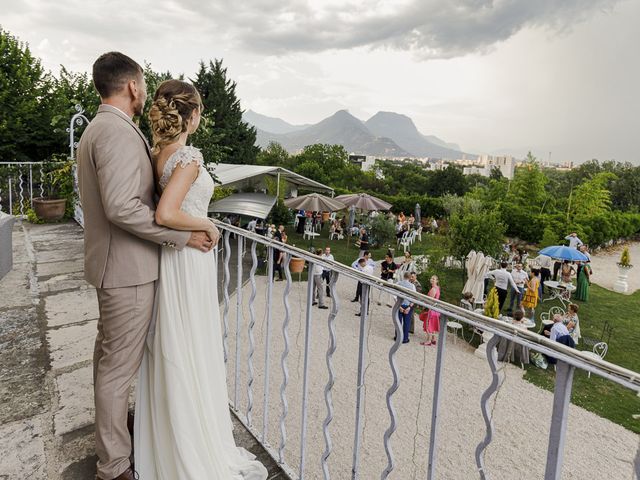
[(47, 326)]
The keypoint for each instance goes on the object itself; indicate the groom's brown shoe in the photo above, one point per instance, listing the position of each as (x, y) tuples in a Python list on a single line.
[(128, 474)]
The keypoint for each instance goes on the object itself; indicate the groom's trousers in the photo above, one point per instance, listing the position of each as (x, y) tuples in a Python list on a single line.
[(125, 316)]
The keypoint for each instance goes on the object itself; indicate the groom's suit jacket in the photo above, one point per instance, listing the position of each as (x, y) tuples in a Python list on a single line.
[(116, 181)]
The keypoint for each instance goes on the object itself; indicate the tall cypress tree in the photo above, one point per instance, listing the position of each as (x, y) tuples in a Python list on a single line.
[(223, 115)]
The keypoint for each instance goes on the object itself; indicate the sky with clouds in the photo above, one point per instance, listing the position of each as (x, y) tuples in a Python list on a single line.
[(558, 77)]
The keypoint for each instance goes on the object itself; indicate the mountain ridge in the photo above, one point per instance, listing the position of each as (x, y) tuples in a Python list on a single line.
[(385, 133)]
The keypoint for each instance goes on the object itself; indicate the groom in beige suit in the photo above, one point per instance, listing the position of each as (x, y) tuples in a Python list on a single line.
[(122, 241)]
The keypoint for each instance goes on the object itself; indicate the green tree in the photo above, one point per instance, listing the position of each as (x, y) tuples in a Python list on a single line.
[(528, 186), (223, 115), (592, 197), (26, 107), (274, 155), (482, 231), (449, 180)]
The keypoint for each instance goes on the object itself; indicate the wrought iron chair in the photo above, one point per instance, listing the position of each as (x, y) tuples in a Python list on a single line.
[(599, 351)]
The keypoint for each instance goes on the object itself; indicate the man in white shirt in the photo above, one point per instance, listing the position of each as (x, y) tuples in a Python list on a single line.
[(318, 287), (251, 226), (520, 277), (326, 274), (503, 280), (574, 241), (559, 329), (368, 262)]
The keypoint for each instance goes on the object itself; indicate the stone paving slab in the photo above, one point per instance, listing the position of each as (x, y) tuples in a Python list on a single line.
[(65, 281), (57, 268), (22, 365), (22, 447), (60, 254), (72, 344), (71, 307), (14, 287), (76, 409)]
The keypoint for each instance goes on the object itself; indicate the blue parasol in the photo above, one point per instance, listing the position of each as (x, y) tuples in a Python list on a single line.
[(563, 252)]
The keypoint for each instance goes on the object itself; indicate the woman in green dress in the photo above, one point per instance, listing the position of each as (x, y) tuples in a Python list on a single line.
[(584, 281)]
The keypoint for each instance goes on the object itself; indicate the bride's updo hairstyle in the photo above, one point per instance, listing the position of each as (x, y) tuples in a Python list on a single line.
[(172, 107)]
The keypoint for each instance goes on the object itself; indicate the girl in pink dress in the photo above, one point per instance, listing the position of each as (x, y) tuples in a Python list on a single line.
[(432, 322)]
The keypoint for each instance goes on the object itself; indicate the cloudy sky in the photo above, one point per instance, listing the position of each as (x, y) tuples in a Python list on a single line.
[(560, 77)]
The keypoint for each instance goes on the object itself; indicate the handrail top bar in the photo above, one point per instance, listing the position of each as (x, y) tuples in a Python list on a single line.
[(603, 368)]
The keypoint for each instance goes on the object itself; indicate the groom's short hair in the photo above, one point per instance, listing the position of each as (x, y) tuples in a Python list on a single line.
[(112, 71)]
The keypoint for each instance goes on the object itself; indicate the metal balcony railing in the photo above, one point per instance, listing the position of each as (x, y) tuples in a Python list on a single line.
[(242, 370), (20, 182)]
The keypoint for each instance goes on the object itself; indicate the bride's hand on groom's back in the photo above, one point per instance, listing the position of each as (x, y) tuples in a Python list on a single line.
[(201, 241)]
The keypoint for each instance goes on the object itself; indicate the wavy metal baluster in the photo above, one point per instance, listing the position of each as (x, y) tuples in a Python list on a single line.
[(227, 281), (283, 358), (394, 386), (10, 196), (267, 346), (496, 381), (21, 193), (328, 388), (252, 322), (0, 198), (31, 185), (42, 180)]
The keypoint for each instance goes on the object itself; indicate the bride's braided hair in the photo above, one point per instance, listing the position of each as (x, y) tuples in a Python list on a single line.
[(172, 107)]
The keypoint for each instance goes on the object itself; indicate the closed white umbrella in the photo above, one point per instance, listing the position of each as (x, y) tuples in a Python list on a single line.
[(471, 270), (483, 267)]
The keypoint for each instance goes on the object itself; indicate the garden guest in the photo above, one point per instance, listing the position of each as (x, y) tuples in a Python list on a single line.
[(326, 273), (570, 319), (431, 320), (566, 272), (530, 300), (584, 281), (503, 280), (318, 288), (574, 241), (406, 307), (520, 278)]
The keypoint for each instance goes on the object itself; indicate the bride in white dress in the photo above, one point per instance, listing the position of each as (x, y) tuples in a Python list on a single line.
[(183, 428)]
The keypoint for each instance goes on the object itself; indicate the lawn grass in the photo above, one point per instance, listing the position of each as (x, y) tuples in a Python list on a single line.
[(595, 394)]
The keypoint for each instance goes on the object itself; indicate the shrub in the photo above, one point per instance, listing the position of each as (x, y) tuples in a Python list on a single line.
[(492, 306)]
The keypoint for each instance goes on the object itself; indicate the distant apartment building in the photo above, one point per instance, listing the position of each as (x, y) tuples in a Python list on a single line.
[(486, 163), (365, 162)]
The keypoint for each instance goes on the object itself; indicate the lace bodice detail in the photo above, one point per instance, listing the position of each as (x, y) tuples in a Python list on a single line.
[(196, 202)]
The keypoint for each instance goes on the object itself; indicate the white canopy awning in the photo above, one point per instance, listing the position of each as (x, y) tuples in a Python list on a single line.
[(256, 205), (228, 175)]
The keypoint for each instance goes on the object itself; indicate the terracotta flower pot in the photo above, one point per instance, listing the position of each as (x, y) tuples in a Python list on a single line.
[(325, 216), (49, 209), (296, 265)]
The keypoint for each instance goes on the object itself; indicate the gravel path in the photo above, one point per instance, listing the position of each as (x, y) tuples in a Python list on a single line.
[(605, 268)]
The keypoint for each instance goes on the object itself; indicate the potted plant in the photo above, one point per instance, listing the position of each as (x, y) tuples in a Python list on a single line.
[(624, 265), (58, 189), (296, 264)]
